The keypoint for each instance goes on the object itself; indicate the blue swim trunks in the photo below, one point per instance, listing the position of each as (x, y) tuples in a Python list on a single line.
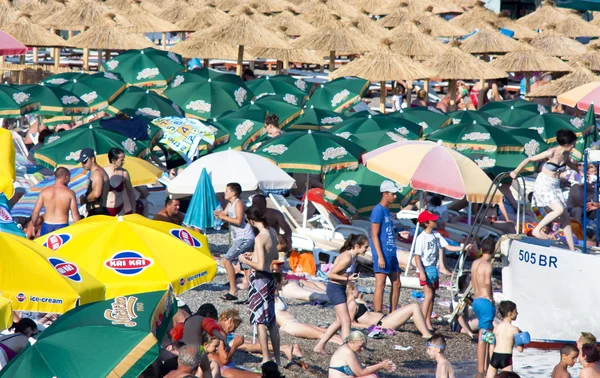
[(391, 264), (48, 228), (485, 311)]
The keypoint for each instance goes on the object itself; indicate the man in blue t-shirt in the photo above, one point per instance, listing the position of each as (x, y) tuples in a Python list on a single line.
[(383, 247)]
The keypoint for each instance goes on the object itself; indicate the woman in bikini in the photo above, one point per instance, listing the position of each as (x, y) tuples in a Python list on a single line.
[(119, 183), (11, 345), (346, 363), (546, 191)]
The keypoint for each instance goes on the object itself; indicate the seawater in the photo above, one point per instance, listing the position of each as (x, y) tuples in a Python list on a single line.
[(539, 363)]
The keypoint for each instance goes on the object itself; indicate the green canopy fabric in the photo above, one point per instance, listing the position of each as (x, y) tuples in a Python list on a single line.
[(338, 94), (286, 88), (317, 119), (55, 101), (581, 5), (429, 119), (470, 116), (145, 103), (97, 90), (512, 110), (119, 337), (15, 103), (400, 129), (245, 126), (286, 112)]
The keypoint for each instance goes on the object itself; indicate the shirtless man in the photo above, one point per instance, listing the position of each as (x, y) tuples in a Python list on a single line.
[(95, 196), (483, 302), (170, 213), (589, 358), (436, 348), (188, 362), (58, 200), (261, 295)]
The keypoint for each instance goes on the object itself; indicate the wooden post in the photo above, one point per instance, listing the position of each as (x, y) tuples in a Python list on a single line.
[(382, 96), (183, 36), (409, 84), (86, 59), (205, 63), (481, 94), (164, 41), (286, 66), (2, 61), (452, 90), (56, 59), (527, 83), (426, 83), (106, 55), (331, 62), (22, 59), (278, 67), (70, 34), (35, 56), (240, 61), (99, 59)]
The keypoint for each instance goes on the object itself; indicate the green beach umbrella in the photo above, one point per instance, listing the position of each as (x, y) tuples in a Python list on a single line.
[(429, 118), (221, 134), (311, 152), (371, 123), (317, 119), (97, 90), (15, 103), (470, 116), (482, 143), (513, 110), (149, 67), (64, 148), (206, 94), (245, 126), (62, 78), (119, 337), (291, 90), (143, 102), (338, 94), (373, 140), (55, 101), (357, 192), (286, 112)]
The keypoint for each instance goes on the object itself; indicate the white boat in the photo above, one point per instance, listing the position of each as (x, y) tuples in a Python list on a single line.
[(556, 290)]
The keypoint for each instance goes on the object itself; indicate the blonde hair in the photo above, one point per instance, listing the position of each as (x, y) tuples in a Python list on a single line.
[(356, 336), (231, 314)]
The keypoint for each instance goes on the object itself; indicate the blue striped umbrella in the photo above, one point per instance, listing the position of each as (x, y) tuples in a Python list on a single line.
[(79, 183), (203, 204), (7, 223)]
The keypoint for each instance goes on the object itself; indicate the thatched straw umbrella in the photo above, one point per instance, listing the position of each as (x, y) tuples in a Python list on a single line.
[(472, 19), (437, 7), (438, 26), (521, 31), (323, 19), (256, 15), (410, 41), (368, 26), (528, 60), (369, 5), (273, 6), (590, 59), (84, 14), (202, 18), (42, 11), (338, 38), (176, 11), (337, 6), (199, 47), (396, 18), (551, 43), (8, 13), (384, 64), (393, 6), (555, 88), (243, 31), (573, 27), (548, 13), (227, 5), (288, 55), (294, 25), (455, 64)]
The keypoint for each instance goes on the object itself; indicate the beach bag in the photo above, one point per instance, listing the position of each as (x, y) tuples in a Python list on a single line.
[(302, 263)]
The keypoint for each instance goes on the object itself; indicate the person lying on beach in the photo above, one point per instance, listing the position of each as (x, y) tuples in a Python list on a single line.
[(568, 357), (436, 348), (303, 290), (546, 191), (364, 318), (346, 363), (589, 358), (288, 323)]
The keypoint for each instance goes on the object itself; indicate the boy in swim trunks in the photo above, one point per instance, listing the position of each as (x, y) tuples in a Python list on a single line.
[(436, 346), (428, 246), (505, 340), (483, 301)]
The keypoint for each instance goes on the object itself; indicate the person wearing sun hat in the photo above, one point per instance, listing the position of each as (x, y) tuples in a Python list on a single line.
[(383, 247), (428, 248)]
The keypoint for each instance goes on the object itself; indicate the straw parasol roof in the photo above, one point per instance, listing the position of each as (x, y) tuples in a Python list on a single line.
[(109, 37), (294, 25), (489, 41), (573, 27), (410, 41), (393, 6), (339, 38), (456, 64), (200, 47), (42, 11), (590, 59), (83, 14), (521, 31), (144, 21), (368, 26), (202, 18), (274, 6), (473, 19), (321, 18), (8, 13), (33, 35), (177, 10), (227, 5), (384, 64), (438, 26), (548, 13), (530, 60), (551, 43), (555, 88), (337, 6), (369, 5), (255, 14), (289, 55), (437, 7), (395, 19)]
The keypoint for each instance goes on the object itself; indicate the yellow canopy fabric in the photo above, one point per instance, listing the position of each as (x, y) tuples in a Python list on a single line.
[(7, 163), (140, 171), (6, 310), (38, 279), (132, 254), (572, 97)]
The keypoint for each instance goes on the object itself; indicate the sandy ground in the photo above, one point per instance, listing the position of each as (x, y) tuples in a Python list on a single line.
[(412, 363)]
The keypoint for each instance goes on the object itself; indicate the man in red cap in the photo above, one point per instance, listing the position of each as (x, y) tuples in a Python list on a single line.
[(428, 248)]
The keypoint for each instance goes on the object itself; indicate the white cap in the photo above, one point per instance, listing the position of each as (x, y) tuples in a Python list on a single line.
[(388, 186)]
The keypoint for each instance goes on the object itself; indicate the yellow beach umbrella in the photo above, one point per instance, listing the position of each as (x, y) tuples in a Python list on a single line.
[(42, 280), (133, 254), (141, 172), (6, 310), (7, 163)]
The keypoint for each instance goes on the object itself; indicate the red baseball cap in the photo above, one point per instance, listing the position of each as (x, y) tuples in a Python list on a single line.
[(427, 216)]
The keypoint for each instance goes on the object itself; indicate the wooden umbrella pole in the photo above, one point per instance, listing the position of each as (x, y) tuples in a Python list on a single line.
[(99, 59), (70, 34), (56, 59), (35, 56), (331, 62), (382, 96), (426, 83), (240, 61), (452, 89), (86, 59), (2, 59), (286, 66), (409, 84), (527, 83), (481, 94), (106, 55), (278, 67), (205, 63), (164, 41)]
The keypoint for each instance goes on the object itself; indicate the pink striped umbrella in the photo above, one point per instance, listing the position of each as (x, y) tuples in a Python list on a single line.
[(593, 97), (10, 46), (431, 167)]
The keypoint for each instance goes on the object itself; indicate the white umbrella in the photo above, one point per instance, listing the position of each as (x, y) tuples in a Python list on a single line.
[(251, 171)]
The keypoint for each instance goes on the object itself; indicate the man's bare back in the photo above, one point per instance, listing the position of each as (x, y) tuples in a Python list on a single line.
[(591, 371), (266, 243), (100, 178), (57, 200), (481, 276), (444, 370)]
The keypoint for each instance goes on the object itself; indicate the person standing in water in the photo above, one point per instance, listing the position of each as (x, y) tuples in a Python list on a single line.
[(94, 198), (546, 191)]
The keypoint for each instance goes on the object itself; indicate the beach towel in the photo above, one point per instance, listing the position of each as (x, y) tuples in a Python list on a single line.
[(261, 298), (302, 263)]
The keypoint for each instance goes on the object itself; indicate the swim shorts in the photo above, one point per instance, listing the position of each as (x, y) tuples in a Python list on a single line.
[(391, 264), (431, 277), (49, 227), (485, 311), (501, 360), (336, 293)]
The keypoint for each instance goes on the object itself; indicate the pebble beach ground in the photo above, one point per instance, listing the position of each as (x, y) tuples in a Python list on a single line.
[(411, 363)]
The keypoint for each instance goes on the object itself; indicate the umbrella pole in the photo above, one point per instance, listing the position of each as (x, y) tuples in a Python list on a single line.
[(527, 83), (106, 55), (56, 59), (426, 83), (382, 96), (35, 56), (305, 212), (86, 59), (481, 94), (278, 66), (240, 61), (452, 90), (70, 34), (99, 59), (331, 63), (409, 84), (164, 41), (286, 66), (205, 63)]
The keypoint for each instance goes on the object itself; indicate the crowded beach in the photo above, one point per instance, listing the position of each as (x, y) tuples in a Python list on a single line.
[(299, 188)]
